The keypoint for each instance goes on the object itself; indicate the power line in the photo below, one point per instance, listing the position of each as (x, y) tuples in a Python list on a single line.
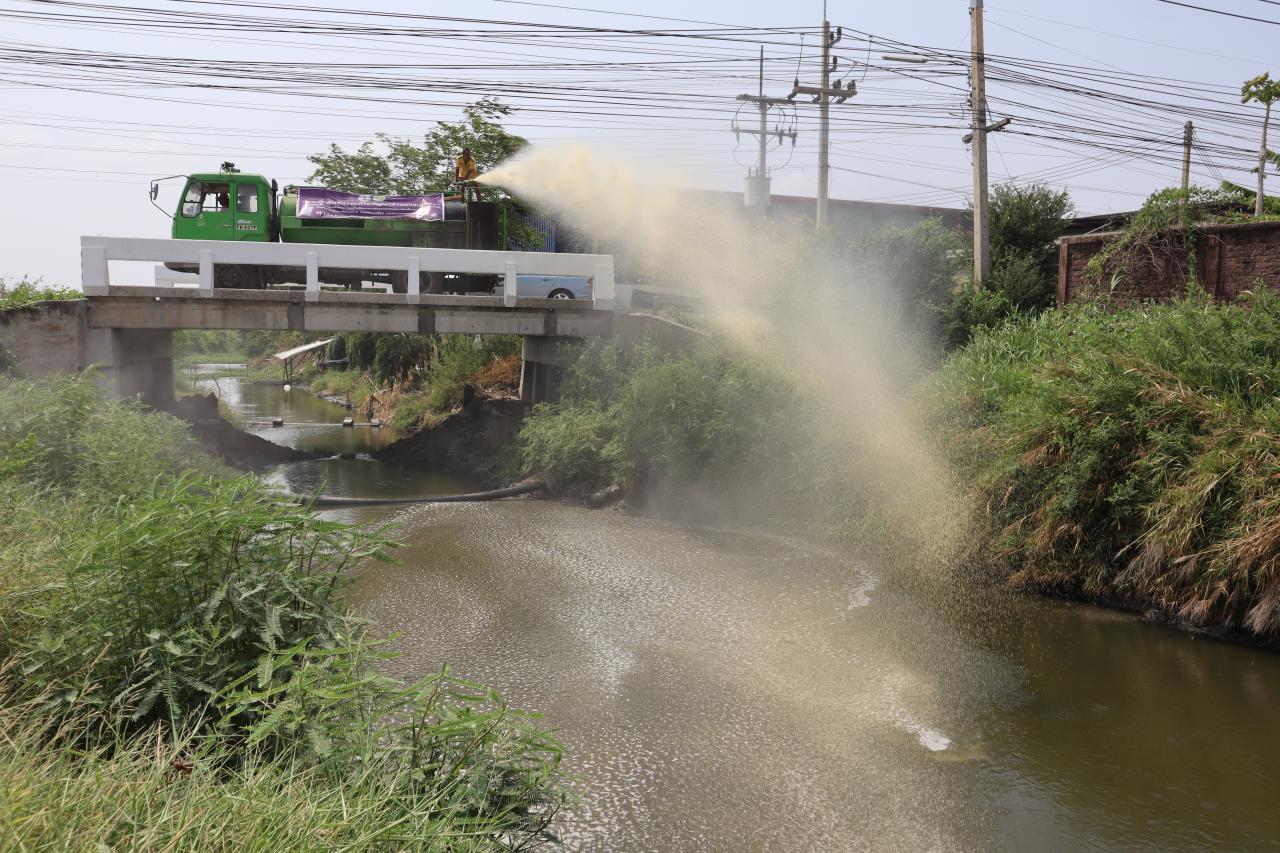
[(1221, 12)]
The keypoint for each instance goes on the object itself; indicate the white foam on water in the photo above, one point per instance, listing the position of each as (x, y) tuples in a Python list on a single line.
[(860, 595), (930, 738)]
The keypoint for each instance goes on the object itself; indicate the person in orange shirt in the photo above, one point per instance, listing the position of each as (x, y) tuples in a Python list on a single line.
[(465, 173)]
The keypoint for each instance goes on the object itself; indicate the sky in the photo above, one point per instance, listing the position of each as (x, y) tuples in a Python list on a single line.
[(100, 97)]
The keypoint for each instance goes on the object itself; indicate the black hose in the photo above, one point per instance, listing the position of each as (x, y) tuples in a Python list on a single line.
[(491, 495)]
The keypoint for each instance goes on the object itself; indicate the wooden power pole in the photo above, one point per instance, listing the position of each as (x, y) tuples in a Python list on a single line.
[(978, 94), (1188, 133)]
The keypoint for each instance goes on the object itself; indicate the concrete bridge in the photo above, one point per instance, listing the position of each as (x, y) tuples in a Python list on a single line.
[(126, 329)]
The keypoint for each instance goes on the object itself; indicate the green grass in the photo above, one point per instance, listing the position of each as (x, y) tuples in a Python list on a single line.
[(160, 793), (354, 385), (209, 628), (189, 359), (1129, 456), (413, 411)]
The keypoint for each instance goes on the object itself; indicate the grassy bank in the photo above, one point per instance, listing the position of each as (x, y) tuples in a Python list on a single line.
[(211, 690), (413, 381), (713, 421), (1129, 457)]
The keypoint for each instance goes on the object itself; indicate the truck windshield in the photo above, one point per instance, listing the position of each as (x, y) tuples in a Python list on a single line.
[(206, 196)]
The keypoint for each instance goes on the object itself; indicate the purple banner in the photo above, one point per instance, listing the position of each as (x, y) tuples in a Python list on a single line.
[(317, 203)]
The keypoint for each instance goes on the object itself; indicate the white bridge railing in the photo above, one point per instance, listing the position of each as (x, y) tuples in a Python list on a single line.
[(97, 252)]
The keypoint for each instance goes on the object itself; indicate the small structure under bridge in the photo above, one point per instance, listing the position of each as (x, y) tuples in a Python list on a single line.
[(127, 327)]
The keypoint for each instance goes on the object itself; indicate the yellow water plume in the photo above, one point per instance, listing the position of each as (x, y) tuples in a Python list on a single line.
[(782, 292)]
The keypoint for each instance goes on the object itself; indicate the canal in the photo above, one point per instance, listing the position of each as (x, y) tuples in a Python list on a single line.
[(723, 689)]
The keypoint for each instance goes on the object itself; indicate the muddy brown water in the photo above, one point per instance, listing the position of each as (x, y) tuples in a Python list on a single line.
[(731, 690)]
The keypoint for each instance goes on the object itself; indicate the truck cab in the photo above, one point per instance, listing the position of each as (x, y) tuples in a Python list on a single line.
[(226, 205)]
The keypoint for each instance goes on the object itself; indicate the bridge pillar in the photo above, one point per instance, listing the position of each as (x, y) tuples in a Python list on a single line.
[(56, 337), (133, 363), (542, 368)]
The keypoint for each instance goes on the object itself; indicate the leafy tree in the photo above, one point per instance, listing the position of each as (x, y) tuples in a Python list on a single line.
[(1026, 222), (408, 168), (920, 263), (1265, 91)]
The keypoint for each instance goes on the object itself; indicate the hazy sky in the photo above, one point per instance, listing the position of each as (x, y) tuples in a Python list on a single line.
[(79, 143)]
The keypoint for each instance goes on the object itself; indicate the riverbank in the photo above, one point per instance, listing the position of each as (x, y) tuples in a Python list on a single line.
[(1118, 458), (414, 382), (1127, 458), (212, 670)]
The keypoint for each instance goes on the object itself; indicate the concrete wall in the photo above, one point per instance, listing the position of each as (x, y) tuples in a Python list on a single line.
[(44, 338), (1230, 259), (545, 358), (55, 337)]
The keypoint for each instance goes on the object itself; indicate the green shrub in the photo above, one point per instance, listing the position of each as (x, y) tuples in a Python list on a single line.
[(578, 442), (57, 433), (225, 344), (1130, 456), (970, 311), (148, 606), (398, 356), (361, 349), (712, 416), (337, 349), (410, 411), (27, 292), (180, 593), (1026, 221), (456, 358), (918, 264)]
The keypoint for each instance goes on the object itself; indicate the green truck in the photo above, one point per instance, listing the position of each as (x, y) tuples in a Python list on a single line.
[(231, 205)]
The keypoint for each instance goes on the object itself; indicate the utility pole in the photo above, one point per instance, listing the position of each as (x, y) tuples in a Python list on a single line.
[(1188, 133), (757, 191), (977, 137), (978, 93), (822, 96), (824, 125)]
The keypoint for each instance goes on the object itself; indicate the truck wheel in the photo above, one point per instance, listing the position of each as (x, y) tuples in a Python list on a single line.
[(229, 276), (399, 282)]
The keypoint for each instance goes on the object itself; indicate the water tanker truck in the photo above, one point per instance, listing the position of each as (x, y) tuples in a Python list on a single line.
[(231, 205)]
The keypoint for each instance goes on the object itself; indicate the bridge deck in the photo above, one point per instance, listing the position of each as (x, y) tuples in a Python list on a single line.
[(125, 307)]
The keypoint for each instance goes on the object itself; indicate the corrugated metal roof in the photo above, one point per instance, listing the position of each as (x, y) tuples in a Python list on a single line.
[(290, 353)]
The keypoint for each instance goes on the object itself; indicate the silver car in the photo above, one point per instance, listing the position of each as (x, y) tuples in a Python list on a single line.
[(550, 287)]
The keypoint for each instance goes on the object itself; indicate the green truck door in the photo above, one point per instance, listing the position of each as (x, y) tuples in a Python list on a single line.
[(205, 213), (251, 212)]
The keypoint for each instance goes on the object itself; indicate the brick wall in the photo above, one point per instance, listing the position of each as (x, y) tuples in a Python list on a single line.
[(1229, 259)]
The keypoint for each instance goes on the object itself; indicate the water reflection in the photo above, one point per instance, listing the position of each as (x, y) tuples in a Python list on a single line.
[(725, 690), (731, 691), (311, 423)]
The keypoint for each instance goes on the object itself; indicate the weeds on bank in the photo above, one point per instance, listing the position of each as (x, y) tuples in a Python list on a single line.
[(418, 379), (711, 417), (1131, 455), (182, 633)]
